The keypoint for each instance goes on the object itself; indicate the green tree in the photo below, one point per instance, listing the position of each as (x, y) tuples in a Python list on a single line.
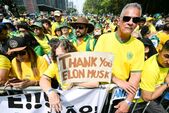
[(104, 6)]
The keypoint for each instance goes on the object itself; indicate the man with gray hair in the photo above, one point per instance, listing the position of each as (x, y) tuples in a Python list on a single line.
[(128, 52)]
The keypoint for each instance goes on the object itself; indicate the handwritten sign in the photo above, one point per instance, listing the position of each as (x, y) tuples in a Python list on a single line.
[(85, 67)]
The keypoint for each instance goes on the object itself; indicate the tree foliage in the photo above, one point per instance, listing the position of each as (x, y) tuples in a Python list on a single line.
[(115, 6), (104, 6)]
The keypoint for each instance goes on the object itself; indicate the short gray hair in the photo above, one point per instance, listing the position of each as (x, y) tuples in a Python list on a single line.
[(136, 5)]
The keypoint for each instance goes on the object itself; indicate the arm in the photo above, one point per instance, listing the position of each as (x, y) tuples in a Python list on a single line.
[(54, 99), (3, 76), (148, 96), (130, 87)]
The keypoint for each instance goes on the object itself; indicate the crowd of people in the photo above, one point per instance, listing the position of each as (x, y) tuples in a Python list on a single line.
[(29, 48)]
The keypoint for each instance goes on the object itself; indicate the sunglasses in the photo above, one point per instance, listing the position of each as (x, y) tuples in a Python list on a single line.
[(79, 27), (20, 53), (134, 19)]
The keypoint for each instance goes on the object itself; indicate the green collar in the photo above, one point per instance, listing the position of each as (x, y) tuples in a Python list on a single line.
[(119, 39)]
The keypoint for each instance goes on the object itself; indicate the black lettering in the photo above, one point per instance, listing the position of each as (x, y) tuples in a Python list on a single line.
[(11, 102), (37, 100)]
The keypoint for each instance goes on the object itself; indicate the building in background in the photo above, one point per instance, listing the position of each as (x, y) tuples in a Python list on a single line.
[(33, 6), (70, 4)]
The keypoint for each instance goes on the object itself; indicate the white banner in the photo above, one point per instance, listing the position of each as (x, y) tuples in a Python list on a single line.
[(85, 66), (73, 101)]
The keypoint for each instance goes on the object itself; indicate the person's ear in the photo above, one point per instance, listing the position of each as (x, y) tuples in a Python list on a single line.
[(147, 49), (118, 21)]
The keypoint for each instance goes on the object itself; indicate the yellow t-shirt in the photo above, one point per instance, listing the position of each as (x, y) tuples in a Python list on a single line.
[(53, 72), (4, 62), (163, 37), (27, 72), (54, 26), (87, 44), (129, 56), (152, 29), (113, 27), (152, 75), (44, 43)]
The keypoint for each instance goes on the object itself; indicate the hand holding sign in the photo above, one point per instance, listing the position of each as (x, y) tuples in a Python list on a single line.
[(85, 67)]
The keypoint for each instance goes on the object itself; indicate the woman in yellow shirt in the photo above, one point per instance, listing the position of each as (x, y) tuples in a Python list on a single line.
[(59, 48), (26, 65), (5, 66)]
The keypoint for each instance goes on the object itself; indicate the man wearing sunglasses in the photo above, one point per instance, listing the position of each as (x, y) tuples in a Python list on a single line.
[(128, 52), (83, 41)]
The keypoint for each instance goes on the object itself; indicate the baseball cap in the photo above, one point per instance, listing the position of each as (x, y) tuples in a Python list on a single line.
[(16, 44), (57, 13)]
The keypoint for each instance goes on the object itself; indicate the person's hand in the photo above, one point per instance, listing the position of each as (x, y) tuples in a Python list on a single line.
[(122, 107), (54, 101), (21, 84), (128, 87)]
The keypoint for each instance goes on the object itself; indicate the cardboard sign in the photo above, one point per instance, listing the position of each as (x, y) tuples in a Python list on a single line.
[(85, 67)]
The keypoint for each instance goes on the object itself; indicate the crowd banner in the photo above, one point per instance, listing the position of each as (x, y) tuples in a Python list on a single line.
[(85, 66), (73, 101), (119, 93)]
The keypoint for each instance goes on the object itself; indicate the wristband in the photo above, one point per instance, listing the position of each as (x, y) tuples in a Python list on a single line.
[(128, 102), (49, 91)]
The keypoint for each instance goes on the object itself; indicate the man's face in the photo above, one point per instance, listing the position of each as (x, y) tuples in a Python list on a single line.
[(81, 30), (58, 18), (129, 20), (163, 58)]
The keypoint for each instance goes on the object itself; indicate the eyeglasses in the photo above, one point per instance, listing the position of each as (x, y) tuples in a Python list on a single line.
[(79, 27), (134, 19), (20, 53)]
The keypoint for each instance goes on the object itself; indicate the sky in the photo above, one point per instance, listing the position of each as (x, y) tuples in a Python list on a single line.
[(78, 4)]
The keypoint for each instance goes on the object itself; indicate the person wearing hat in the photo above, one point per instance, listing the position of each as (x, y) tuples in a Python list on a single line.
[(23, 27), (27, 66), (41, 37), (83, 41), (58, 32), (128, 54), (163, 36), (66, 32), (58, 20), (97, 30), (149, 23)]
